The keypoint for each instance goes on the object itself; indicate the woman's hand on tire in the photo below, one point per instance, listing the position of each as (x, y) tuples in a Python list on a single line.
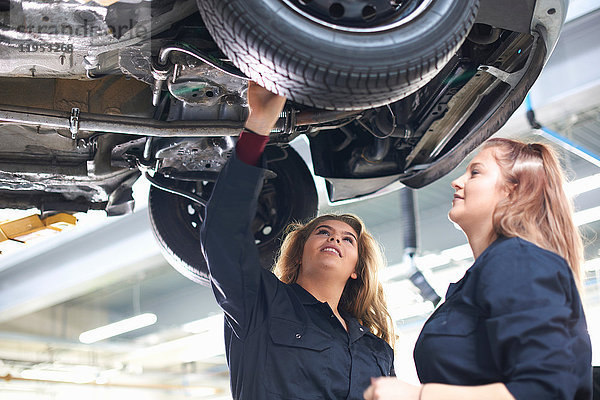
[(265, 108)]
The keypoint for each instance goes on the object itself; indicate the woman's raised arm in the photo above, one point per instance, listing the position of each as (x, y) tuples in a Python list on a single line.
[(226, 235)]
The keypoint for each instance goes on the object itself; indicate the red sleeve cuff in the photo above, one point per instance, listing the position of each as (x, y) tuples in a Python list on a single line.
[(250, 147)]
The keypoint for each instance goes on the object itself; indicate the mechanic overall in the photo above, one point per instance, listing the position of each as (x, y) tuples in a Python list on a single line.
[(316, 329), (513, 327)]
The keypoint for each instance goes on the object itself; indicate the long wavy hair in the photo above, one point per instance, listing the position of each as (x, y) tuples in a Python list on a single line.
[(537, 208), (362, 297)]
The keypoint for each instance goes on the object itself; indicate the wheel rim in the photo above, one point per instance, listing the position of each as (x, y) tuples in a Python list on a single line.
[(268, 223), (359, 15), (191, 212)]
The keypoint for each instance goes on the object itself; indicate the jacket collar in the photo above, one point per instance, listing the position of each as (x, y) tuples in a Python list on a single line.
[(305, 297), (355, 329), (454, 287)]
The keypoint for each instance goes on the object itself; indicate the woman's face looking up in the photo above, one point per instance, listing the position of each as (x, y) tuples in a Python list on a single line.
[(477, 192), (331, 250)]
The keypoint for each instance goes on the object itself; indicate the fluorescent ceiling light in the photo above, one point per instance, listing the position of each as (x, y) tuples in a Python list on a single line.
[(586, 216), (583, 185), (592, 265), (207, 345), (117, 328), (204, 324), (197, 347), (77, 375)]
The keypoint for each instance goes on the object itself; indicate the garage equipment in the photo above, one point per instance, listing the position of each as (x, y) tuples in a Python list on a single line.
[(409, 233), (25, 229)]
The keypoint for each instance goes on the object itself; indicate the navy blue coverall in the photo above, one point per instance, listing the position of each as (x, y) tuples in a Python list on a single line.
[(515, 317), (281, 342)]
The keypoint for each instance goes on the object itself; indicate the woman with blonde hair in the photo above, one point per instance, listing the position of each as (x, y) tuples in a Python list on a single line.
[(513, 327), (362, 295), (321, 330)]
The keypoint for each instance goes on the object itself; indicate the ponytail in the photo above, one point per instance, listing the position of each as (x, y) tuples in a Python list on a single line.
[(537, 208)]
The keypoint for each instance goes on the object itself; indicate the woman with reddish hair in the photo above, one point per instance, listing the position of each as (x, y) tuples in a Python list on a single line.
[(513, 327)]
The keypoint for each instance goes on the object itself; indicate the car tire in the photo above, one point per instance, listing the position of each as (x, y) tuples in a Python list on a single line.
[(289, 196), (314, 62)]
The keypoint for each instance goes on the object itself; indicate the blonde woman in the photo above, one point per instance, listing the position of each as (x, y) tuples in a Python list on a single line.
[(319, 328), (513, 327)]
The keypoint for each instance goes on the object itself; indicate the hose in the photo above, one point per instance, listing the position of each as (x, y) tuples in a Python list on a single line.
[(188, 195), (204, 57)]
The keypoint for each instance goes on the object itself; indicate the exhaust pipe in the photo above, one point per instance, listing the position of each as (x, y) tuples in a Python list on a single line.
[(76, 121)]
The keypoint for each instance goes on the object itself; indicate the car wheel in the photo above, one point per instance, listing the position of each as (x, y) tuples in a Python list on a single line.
[(175, 220), (340, 54)]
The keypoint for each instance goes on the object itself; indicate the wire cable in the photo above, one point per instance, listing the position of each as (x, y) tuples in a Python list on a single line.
[(188, 195), (204, 57)]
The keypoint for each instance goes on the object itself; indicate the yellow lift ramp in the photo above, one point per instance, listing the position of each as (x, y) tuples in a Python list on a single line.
[(25, 229)]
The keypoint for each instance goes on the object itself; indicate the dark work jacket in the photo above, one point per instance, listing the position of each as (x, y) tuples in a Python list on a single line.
[(281, 342), (515, 317)]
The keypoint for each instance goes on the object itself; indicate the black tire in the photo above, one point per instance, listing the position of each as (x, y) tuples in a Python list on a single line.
[(318, 65), (175, 220)]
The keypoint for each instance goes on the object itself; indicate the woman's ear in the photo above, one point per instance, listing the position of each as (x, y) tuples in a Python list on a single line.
[(353, 275), (509, 190)]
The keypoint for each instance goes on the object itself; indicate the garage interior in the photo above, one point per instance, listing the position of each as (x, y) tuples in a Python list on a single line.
[(104, 270)]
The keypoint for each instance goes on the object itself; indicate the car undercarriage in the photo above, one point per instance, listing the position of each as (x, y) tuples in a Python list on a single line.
[(96, 95)]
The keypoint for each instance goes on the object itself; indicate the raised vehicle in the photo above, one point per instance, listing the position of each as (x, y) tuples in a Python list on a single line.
[(95, 94)]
